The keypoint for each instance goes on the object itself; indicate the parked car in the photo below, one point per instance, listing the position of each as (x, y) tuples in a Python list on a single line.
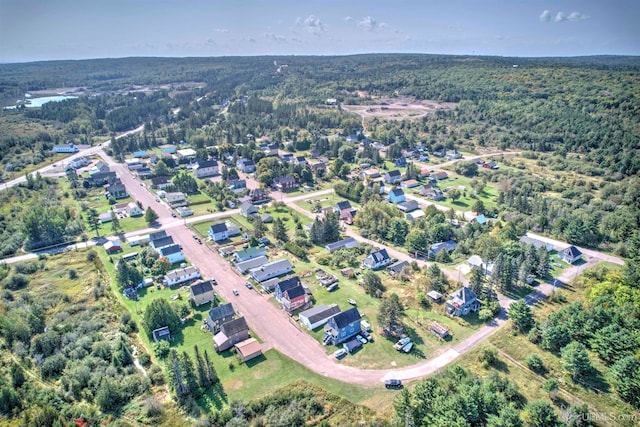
[(235, 292), (351, 301), (401, 343), (367, 336), (393, 383), (362, 339), (195, 236), (248, 285), (339, 354)]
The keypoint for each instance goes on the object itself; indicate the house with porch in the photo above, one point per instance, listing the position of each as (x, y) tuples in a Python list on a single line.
[(462, 302), (392, 177), (181, 275), (218, 232), (285, 183), (396, 196), (231, 333), (570, 255), (342, 326), (218, 316), (177, 199), (248, 209), (377, 259), (172, 253), (117, 191)]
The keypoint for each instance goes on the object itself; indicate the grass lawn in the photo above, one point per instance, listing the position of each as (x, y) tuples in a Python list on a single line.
[(488, 195), (201, 208), (325, 201)]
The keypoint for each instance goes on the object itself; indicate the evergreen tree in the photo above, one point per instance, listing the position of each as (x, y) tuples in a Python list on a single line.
[(279, 231), (94, 221), (212, 375), (176, 378), (390, 313), (397, 231), (122, 356), (575, 360), (477, 281), (543, 262), (115, 222), (188, 372), (522, 316), (259, 229), (201, 369), (625, 377)]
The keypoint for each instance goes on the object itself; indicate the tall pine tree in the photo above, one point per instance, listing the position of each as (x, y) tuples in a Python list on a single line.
[(188, 371), (201, 370), (211, 370)]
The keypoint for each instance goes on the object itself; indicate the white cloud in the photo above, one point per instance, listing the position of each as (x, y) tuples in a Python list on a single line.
[(312, 24), (348, 18), (275, 38), (368, 23), (545, 16), (221, 30), (577, 16), (573, 17)]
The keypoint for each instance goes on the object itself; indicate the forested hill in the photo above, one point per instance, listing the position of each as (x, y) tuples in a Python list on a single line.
[(583, 105)]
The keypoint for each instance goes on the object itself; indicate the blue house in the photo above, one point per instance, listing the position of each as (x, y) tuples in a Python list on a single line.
[(396, 196), (342, 326), (401, 162), (219, 232)]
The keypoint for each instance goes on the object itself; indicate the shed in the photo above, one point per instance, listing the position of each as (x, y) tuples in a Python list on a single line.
[(318, 315), (439, 330), (352, 345), (249, 349), (161, 334), (435, 296)]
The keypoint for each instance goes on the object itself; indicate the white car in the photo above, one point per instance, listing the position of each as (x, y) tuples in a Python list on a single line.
[(339, 354), (235, 292)]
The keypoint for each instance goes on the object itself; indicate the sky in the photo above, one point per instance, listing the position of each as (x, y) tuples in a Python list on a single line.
[(33, 30)]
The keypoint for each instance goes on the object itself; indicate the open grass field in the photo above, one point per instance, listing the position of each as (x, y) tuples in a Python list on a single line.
[(325, 201), (488, 195)]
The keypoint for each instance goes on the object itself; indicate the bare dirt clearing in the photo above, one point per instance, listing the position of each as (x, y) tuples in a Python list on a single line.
[(399, 108)]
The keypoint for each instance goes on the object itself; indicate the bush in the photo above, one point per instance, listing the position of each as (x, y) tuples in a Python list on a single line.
[(161, 349), (73, 274), (144, 359), (488, 356), (16, 281), (92, 255), (156, 375), (535, 363), (27, 267)]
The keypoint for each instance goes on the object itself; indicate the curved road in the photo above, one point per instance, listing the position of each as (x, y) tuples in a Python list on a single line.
[(273, 326)]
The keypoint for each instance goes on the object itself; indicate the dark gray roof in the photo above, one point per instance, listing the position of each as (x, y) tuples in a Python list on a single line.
[(162, 241), (206, 163), (232, 327), (398, 266), (161, 332), (341, 244), (352, 345), (344, 204), (294, 292), (379, 255), (394, 173), (159, 180), (221, 311), (449, 246), (157, 235), (572, 251), (168, 250), (201, 288), (290, 283), (320, 312), (347, 317), (397, 192), (219, 228)]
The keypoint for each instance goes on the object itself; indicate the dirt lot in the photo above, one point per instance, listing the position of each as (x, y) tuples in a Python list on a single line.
[(399, 108)]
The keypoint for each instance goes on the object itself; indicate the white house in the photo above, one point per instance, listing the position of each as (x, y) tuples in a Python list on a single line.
[(244, 266), (377, 259), (66, 148), (272, 269), (318, 315), (133, 210), (219, 232), (205, 168), (201, 292), (182, 275), (173, 253)]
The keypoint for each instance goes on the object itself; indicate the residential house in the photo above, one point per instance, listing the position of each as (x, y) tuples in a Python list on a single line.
[(185, 154), (409, 183), (440, 175), (138, 240), (172, 253), (202, 292), (287, 157), (112, 246), (219, 232), (284, 285), (490, 165), (300, 161), (205, 168), (318, 315), (393, 177), (342, 205), (133, 210), (424, 172), (218, 316), (160, 182), (448, 246), (536, 243), (232, 229), (318, 168), (133, 164), (401, 162), (117, 191), (237, 185), (79, 163), (397, 267), (99, 167), (184, 211), (462, 302), (270, 150), (181, 275), (144, 173), (248, 209), (377, 259), (371, 173), (65, 148), (105, 217), (408, 206), (161, 334), (258, 195), (102, 178), (157, 235), (231, 332), (270, 285), (432, 193), (294, 299), (396, 196), (271, 269), (285, 183), (177, 199), (266, 218), (452, 155), (342, 326), (246, 165), (245, 266), (480, 219), (347, 243), (161, 242), (250, 253), (570, 254), (415, 215), (153, 159), (249, 349)]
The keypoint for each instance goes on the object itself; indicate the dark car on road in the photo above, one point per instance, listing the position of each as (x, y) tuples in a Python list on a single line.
[(393, 383)]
